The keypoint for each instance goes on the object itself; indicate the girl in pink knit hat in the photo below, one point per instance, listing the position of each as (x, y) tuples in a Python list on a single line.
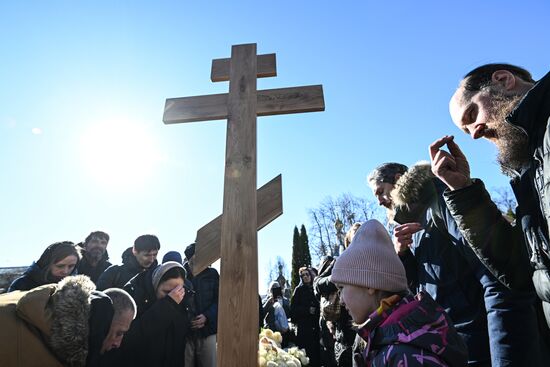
[(400, 329)]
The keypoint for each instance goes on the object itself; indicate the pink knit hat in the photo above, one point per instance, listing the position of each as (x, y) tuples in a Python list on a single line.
[(370, 261)]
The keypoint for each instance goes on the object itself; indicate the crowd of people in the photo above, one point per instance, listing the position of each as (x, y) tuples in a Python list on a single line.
[(449, 281), (72, 307)]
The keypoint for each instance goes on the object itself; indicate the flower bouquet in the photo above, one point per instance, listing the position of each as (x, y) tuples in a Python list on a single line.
[(270, 353)]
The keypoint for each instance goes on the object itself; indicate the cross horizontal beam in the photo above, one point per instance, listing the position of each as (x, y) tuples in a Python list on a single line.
[(208, 243), (270, 102), (266, 67)]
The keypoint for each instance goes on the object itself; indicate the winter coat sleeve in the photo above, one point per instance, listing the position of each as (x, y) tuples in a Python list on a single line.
[(107, 278), (323, 286), (20, 284), (211, 312), (411, 269), (498, 244)]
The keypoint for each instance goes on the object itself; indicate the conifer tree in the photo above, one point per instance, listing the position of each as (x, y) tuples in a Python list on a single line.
[(305, 246), (296, 259)]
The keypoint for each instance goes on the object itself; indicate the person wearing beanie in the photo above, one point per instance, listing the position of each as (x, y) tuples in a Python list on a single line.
[(172, 256), (56, 262), (399, 328), (157, 335), (63, 324)]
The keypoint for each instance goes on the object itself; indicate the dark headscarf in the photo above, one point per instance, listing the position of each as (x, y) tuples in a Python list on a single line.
[(55, 253)]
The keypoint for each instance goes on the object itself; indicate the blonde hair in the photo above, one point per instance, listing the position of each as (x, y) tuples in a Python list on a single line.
[(349, 235)]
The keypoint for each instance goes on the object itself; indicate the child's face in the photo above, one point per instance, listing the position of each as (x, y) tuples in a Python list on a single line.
[(360, 302)]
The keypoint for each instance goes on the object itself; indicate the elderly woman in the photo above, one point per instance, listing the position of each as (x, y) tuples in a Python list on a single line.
[(57, 261)]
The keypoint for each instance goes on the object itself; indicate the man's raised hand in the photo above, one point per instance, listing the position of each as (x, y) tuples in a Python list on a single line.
[(450, 167)]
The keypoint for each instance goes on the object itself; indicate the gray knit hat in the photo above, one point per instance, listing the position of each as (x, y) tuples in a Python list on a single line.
[(370, 261), (162, 269)]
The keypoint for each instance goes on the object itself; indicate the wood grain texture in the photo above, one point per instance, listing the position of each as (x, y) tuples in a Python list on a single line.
[(269, 201), (269, 102), (267, 67), (238, 295)]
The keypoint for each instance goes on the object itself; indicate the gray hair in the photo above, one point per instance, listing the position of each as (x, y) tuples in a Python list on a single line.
[(386, 173), (122, 301)]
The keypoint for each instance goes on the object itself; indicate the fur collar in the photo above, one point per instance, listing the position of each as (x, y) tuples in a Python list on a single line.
[(410, 187), (70, 310), (413, 194)]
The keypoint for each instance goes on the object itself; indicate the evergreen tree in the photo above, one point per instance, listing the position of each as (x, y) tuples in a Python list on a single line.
[(304, 241), (296, 260)]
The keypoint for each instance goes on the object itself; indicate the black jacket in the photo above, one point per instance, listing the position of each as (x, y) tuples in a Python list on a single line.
[(157, 335), (497, 243), (85, 268), (116, 276), (206, 286)]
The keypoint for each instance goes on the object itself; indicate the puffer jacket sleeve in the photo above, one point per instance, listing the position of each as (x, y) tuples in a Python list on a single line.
[(405, 355), (499, 245)]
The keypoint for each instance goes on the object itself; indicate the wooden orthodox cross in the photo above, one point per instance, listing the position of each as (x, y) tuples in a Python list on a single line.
[(244, 210)]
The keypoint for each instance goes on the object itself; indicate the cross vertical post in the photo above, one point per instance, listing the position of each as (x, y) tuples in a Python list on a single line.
[(238, 311)]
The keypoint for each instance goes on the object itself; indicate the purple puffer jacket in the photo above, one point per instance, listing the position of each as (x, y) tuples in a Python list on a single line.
[(415, 331)]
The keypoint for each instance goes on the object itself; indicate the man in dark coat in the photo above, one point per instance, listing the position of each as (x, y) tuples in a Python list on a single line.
[(200, 349), (481, 308), (142, 256), (94, 255), (502, 103)]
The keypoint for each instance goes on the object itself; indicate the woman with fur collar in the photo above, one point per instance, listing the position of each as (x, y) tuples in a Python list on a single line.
[(63, 324)]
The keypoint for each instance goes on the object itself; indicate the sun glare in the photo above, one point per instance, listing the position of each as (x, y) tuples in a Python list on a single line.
[(119, 154)]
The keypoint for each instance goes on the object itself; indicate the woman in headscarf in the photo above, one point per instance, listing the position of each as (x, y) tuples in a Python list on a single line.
[(57, 261), (157, 335), (304, 311)]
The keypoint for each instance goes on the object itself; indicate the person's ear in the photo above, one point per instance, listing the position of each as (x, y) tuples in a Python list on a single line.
[(371, 291), (504, 79), (134, 251), (397, 175)]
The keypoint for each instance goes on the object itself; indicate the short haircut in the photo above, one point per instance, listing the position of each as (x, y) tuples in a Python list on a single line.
[(146, 242), (481, 76), (98, 234), (122, 302), (386, 173)]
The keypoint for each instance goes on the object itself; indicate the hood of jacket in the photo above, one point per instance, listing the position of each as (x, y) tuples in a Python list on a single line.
[(533, 107), (36, 274), (414, 192), (418, 322), (60, 312)]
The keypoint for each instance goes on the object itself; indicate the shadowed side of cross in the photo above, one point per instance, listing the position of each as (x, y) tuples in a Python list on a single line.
[(244, 211), (208, 241)]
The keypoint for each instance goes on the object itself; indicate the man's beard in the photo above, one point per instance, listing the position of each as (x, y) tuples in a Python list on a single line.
[(95, 254), (511, 141)]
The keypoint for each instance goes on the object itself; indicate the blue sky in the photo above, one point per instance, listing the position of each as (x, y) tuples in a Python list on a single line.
[(83, 85)]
